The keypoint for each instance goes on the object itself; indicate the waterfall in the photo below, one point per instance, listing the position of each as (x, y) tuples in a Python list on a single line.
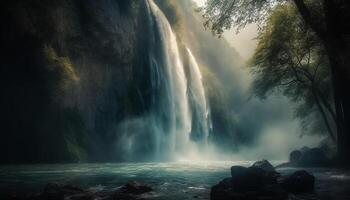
[(200, 108), (178, 100), (171, 113)]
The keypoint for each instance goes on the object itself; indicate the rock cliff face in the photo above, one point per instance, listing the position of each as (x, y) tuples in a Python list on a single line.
[(70, 71), (75, 75)]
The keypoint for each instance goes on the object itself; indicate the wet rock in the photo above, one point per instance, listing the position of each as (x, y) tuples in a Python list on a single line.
[(307, 157), (134, 187), (265, 165), (304, 149), (299, 182), (227, 190), (251, 178), (314, 157), (238, 171), (133, 190), (248, 184), (294, 156), (57, 191)]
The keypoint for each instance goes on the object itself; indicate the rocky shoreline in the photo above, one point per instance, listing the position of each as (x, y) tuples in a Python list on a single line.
[(55, 191), (299, 179), (261, 181)]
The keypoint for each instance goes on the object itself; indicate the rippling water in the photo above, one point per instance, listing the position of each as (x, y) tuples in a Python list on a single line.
[(180, 180)]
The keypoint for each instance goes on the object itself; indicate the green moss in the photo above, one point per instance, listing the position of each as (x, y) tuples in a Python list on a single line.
[(62, 65)]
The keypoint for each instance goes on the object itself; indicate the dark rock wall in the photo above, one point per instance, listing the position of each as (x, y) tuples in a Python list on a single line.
[(70, 70)]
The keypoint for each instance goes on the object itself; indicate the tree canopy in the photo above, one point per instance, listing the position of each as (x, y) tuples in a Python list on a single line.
[(290, 59)]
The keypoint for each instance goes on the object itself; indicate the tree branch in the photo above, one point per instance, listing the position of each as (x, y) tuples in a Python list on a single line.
[(307, 16)]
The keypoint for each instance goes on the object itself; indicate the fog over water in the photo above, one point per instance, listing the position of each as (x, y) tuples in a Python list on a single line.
[(273, 118)]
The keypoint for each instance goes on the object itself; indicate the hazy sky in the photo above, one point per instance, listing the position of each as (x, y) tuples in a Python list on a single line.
[(244, 42)]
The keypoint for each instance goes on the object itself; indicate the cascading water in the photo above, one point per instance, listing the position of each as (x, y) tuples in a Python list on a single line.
[(201, 123), (171, 114), (177, 103)]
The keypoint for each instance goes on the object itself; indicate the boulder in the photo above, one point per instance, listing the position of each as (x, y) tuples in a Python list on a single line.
[(314, 157), (238, 171), (265, 165), (227, 190), (248, 184), (252, 178), (304, 149), (295, 156), (299, 182)]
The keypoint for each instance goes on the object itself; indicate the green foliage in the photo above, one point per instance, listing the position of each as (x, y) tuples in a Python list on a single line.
[(221, 15), (290, 59)]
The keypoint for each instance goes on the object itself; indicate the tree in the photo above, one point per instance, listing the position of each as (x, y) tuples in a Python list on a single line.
[(289, 58), (329, 21)]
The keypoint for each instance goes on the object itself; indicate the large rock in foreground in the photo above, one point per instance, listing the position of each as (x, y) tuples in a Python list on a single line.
[(262, 182), (226, 190), (299, 182), (248, 184), (252, 178)]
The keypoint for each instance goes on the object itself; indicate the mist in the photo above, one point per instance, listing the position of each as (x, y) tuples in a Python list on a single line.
[(141, 99), (269, 126), (119, 81)]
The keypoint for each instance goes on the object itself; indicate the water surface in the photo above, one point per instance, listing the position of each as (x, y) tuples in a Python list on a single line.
[(171, 181)]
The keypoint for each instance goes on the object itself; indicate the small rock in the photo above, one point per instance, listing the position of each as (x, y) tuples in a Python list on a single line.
[(265, 165), (134, 187), (57, 191), (299, 182)]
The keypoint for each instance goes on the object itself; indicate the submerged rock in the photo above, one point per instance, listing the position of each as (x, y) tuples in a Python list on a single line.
[(265, 165), (132, 190), (57, 191), (299, 182), (134, 187)]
